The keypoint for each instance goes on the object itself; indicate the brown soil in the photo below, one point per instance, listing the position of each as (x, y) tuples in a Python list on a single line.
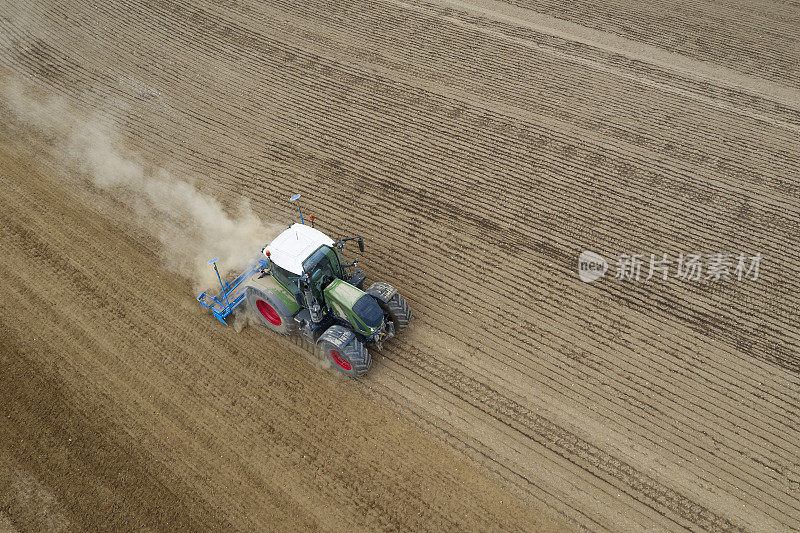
[(478, 146)]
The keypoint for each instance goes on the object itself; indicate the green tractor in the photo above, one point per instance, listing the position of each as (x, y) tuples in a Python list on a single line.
[(302, 286)]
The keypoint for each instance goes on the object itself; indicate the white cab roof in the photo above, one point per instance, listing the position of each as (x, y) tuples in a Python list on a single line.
[(289, 249)]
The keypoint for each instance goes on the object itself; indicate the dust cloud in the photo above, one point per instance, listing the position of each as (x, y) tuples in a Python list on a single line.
[(191, 226)]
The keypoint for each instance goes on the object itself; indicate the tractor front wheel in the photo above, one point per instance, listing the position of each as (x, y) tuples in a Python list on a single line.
[(398, 311), (346, 353)]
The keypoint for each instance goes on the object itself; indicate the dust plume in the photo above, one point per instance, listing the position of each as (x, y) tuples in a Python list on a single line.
[(191, 226)]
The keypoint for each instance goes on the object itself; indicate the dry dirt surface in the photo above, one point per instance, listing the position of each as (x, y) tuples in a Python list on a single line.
[(479, 147)]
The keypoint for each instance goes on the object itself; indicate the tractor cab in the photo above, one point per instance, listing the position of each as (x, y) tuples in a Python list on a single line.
[(303, 258), (322, 267), (293, 248), (302, 255)]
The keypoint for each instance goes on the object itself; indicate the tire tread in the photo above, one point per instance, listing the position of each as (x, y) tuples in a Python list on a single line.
[(399, 311), (353, 350)]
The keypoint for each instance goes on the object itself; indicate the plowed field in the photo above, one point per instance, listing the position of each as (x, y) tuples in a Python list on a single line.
[(479, 147)]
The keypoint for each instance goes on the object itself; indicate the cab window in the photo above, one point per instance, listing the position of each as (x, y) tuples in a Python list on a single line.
[(286, 278), (326, 259), (322, 267)]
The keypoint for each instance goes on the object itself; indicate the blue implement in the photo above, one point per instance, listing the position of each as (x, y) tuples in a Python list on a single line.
[(232, 293)]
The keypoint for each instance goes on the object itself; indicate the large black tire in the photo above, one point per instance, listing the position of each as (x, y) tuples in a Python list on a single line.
[(270, 311), (346, 353), (398, 311), (394, 306)]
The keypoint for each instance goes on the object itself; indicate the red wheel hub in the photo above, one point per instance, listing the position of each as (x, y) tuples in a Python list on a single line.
[(337, 357), (268, 312)]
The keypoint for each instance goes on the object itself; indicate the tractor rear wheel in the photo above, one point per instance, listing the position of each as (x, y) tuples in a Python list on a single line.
[(346, 353), (398, 311), (269, 311)]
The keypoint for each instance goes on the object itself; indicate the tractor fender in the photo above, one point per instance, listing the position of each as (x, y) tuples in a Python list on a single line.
[(382, 291)]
